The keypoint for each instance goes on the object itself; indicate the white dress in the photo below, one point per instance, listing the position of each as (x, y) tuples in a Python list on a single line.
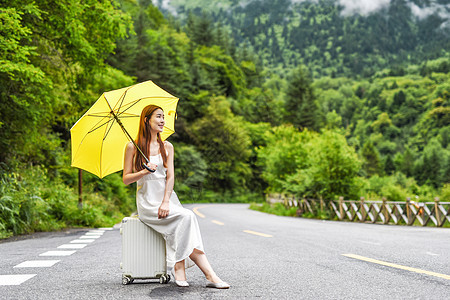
[(180, 228)]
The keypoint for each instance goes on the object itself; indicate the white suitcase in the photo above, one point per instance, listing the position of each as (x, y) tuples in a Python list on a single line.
[(143, 252)]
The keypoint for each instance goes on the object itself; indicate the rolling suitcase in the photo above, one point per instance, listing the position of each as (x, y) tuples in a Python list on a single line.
[(143, 252)]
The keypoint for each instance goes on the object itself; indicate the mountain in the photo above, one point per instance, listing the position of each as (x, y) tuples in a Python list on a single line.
[(333, 38)]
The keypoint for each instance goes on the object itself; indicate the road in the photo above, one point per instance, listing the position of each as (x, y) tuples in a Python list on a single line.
[(261, 256)]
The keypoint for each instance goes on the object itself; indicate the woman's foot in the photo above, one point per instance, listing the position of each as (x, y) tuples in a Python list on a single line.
[(181, 275), (182, 283), (216, 282), (218, 285)]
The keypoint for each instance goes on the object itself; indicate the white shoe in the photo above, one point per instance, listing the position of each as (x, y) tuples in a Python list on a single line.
[(219, 285), (180, 283)]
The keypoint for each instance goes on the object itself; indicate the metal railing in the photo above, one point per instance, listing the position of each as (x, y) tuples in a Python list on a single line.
[(382, 212)]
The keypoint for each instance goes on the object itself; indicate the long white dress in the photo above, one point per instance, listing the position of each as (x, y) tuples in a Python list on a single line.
[(180, 228)]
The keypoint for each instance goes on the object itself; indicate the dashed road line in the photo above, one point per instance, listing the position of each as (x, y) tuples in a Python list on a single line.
[(72, 246), (89, 236), (258, 233), (217, 222), (15, 279), (79, 243), (387, 264), (83, 241), (195, 210), (37, 264), (57, 253)]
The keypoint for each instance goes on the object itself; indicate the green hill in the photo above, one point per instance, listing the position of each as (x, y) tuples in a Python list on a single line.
[(331, 37)]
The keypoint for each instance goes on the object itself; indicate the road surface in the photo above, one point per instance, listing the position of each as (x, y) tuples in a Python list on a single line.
[(261, 256)]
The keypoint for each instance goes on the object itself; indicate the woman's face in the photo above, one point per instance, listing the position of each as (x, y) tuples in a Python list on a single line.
[(156, 121)]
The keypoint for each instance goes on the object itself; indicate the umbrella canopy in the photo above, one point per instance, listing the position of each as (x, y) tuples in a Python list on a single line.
[(99, 137)]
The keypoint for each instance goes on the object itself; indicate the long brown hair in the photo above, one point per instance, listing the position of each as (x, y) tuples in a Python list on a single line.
[(144, 139)]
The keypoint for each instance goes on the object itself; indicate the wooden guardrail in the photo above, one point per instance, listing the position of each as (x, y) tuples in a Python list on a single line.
[(383, 212)]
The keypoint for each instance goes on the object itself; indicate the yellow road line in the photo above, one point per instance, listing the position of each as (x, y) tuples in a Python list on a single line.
[(379, 262), (217, 222), (198, 213), (258, 233)]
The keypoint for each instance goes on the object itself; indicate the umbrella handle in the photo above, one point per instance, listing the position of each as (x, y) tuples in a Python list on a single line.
[(148, 168)]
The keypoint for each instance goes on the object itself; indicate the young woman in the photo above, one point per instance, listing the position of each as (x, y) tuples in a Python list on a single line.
[(158, 205)]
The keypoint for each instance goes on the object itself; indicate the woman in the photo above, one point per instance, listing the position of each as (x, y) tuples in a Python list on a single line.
[(158, 205)]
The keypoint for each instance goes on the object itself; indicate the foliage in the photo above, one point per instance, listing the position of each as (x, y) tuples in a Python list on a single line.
[(30, 201), (302, 110), (276, 209), (297, 98), (309, 164), (332, 38), (224, 145)]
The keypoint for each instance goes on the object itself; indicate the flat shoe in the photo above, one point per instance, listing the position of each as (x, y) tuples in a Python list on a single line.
[(219, 285), (182, 283)]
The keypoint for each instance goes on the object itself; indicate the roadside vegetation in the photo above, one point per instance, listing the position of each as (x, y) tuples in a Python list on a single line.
[(244, 127)]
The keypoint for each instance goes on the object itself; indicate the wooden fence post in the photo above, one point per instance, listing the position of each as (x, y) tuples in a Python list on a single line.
[(363, 210), (437, 211), (80, 188), (385, 211), (408, 210), (321, 203), (341, 208)]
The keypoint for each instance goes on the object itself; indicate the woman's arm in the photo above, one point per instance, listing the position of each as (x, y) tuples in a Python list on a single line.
[(163, 210), (170, 177), (128, 175)]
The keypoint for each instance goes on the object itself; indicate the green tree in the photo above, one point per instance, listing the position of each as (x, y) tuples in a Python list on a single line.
[(224, 144), (371, 159), (302, 109), (282, 156), (389, 166)]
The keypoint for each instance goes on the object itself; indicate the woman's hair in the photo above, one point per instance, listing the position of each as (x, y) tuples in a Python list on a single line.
[(144, 139)]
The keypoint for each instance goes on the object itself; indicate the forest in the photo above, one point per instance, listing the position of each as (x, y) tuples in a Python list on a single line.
[(251, 120)]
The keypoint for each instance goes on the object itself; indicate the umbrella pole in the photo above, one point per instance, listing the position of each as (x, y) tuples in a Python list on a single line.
[(131, 139)]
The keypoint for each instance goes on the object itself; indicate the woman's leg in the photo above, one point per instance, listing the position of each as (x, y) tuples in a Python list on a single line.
[(179, 270), (199, 258)]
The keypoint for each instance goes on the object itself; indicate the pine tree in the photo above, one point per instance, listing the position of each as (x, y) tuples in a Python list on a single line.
[(302, 109), (371, 162), (389, 167)]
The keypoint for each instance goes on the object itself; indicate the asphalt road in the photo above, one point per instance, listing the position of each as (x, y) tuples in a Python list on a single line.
[(261, 256)]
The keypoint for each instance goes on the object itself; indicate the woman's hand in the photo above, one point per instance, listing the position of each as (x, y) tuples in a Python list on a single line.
[(163, 210), (152, 166)]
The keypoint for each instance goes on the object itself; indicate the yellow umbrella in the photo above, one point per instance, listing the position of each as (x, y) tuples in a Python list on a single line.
[(99, 137)]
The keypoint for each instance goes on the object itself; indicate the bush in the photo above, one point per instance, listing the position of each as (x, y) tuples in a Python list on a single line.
[(276, 209), (30, 202)]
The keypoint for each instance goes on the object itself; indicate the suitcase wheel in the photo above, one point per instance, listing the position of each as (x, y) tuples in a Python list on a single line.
[(164, 278), (126, 280)]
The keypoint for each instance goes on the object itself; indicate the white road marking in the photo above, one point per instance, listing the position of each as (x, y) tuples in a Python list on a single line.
[(89, 237), (106, 228), (72, 246), (217, 222), (97, 231), (432, 254), (93, 234), (371, 243), (57, 253), (387, 264), (83, 241), (15, 279), (37, 264), (258, 233)]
